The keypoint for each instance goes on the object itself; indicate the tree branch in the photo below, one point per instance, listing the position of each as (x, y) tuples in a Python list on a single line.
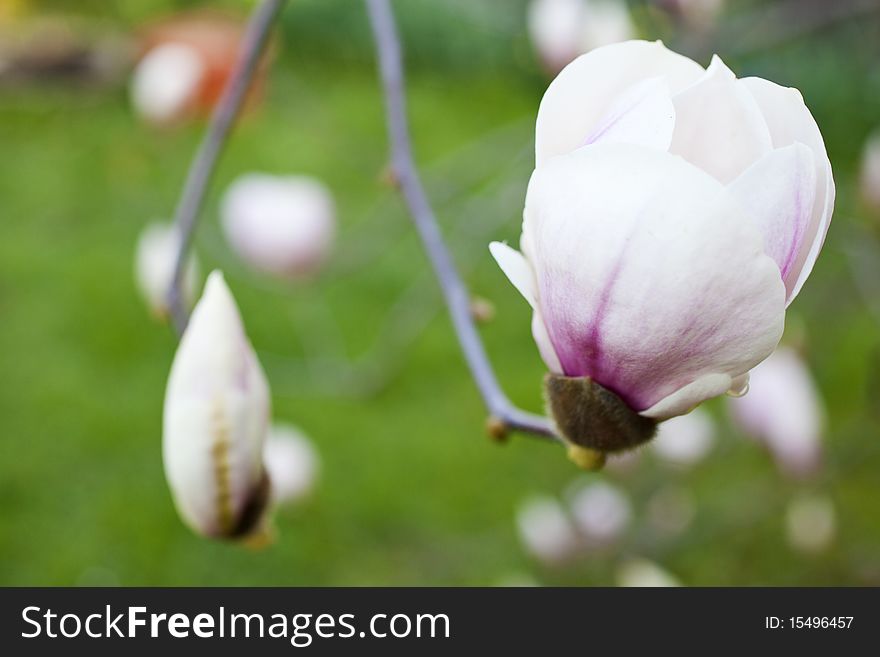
[(504, 416), (202, 167)]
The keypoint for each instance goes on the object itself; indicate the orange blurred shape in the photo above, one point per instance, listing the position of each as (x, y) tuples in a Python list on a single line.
[(216, 37)]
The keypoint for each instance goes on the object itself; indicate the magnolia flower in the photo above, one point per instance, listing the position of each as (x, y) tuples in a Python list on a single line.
[(155, 258), (601, 513), (545, 530), (216, 418), (563, 29), (810, 523), (292, 463), (279, 225), (673, 214), (869, 175), (685, 440), (644, 573), (784, 411)]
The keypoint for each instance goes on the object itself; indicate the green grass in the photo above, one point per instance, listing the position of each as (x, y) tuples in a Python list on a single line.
[(411, 491)]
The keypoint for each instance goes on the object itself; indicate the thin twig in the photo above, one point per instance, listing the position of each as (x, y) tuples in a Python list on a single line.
[(203, 164), (454, 291)]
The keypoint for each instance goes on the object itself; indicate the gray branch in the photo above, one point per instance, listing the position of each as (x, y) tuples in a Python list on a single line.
[(202, 167), (504, 416)]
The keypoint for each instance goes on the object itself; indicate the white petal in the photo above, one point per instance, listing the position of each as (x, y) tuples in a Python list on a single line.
[(650, 277), (719, 126), (516, 268), (643, 114), (789, 121), (587, 89), (684, 399), (778, 192)]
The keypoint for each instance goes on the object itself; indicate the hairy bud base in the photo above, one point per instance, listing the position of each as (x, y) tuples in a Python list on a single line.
[(591, 416)]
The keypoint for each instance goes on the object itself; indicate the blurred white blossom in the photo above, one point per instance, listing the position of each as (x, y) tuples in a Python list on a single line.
[(292, 463), (784, 411), (155, 257), (601, 513), (281, 225), (869, 175), (545, 530), (685, 440), (563, 29), (166, 81)]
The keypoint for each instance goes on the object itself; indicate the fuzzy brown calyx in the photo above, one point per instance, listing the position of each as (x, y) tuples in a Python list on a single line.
[(591, 416)]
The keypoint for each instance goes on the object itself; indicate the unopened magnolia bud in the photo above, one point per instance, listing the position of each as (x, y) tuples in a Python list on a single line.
[(545, 530), (685, 440), (591, 416), (215, 421), (644, 573), (280, 225), (155, 259), (166, 82), (292, 464)]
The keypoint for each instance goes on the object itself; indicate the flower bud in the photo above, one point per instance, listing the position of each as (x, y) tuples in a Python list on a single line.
[(292, 464), (783, 410), (215, 421), (155, 258), (283, 226), (563, 29), (673, 214), (685, 440), (545, 530)]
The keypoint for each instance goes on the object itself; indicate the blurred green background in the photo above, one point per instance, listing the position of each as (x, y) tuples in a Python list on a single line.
[(364, 360)]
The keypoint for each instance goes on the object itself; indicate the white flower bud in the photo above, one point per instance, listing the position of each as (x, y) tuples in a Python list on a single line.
[(810, 524), (166, 82), (685, 440), (545, 530), (215, 422), (292, 463), (652, 173), (155, 258), (644, 573), (279, 225)]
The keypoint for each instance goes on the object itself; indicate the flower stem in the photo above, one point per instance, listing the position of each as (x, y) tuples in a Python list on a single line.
[(203, 164), (504, 416)]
